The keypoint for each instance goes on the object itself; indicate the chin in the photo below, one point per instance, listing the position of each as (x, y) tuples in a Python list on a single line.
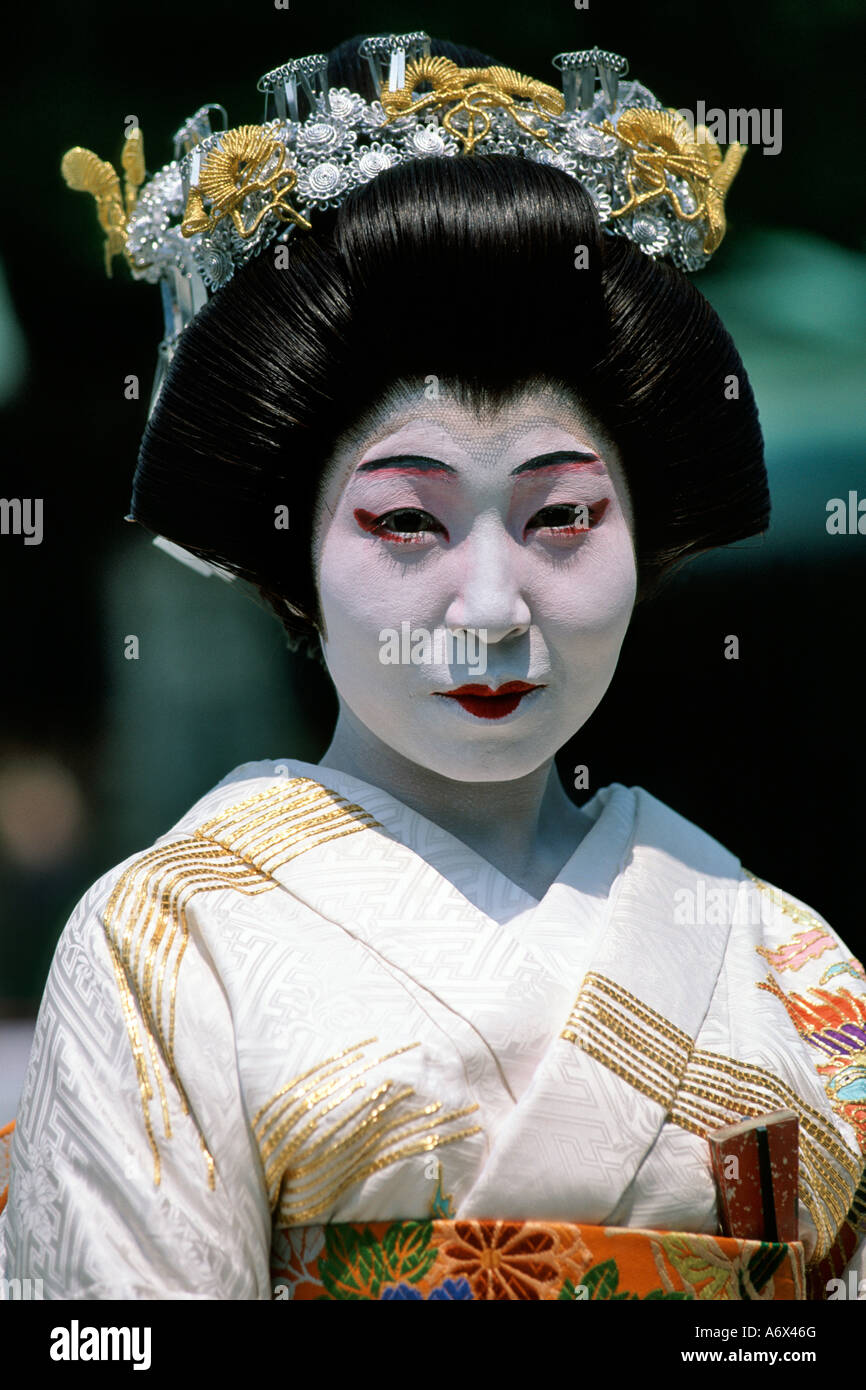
[(489, 760)]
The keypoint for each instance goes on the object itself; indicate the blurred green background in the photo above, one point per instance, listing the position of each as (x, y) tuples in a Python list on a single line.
[(99, 755)]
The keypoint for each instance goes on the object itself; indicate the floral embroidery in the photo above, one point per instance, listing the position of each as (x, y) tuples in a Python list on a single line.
[(710, 1274), (294, 1252), (506, 1259), (601, 1284), (360, 1265), (834, 1022), (450, 1261), (806, 945)]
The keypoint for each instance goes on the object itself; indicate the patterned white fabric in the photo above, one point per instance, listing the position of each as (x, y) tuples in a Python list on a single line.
[(364, 999)]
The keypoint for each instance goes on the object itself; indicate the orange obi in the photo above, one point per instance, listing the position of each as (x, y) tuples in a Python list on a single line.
[(527, 1260)]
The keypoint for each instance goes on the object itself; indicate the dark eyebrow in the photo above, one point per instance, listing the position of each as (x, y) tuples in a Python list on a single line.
[(416, 463), (407, 463), (562, 456)]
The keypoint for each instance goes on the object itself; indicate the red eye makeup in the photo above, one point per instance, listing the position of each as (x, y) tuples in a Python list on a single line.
[(566, 518), (401, 524)]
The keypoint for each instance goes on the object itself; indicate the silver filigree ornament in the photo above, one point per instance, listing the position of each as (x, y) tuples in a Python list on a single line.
[(425, 141), (584, 141), (214, 262), (348, 107), (375, 160), (153, 238), (649, 234), (558, 159), (339, 145), (374, 120), (600, 196), (332, 140), (321, 138), (687, 199), (687, 247), (324, 185)]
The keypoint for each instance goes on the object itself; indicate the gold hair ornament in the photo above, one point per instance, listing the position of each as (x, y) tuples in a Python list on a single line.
[(87, 173), (233, 171), (472, 91), (662, 143)]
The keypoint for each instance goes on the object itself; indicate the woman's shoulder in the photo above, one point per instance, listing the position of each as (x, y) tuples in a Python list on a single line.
[(790, 1000), (811, 971), (211, 815), (261, 778), (789, 931)]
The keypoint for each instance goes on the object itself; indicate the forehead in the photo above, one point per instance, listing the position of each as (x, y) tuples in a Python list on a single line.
[(407, 417)]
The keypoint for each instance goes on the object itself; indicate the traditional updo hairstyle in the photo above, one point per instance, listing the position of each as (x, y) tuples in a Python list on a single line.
[(461, 268)]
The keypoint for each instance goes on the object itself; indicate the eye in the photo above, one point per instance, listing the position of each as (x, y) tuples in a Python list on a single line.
[(404, 524), (567, 518)]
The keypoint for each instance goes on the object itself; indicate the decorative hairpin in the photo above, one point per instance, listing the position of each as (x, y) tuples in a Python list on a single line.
[(229, 193)]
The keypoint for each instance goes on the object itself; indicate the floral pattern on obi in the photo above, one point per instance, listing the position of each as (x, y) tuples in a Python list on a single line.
[(536, 1260)]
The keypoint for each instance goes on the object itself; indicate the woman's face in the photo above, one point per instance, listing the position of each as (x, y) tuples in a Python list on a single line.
[(456, 549)]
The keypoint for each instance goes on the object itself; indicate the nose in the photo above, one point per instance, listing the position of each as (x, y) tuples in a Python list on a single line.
[(487, 590)]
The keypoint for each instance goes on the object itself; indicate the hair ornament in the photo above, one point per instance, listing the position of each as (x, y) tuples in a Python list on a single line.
[(229, 193)]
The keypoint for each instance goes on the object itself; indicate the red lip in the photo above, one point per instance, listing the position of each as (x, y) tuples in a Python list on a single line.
[(486, 703)]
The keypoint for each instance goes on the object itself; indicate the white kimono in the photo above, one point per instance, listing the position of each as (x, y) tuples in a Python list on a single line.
[(308, 1004)]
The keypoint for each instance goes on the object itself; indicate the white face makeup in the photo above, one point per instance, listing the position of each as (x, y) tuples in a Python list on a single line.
[(515, 524)]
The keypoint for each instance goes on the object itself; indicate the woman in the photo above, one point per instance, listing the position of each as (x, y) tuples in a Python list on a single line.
[(408, 1023)]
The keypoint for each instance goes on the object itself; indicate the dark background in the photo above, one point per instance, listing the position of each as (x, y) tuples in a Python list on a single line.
[(99, 755)]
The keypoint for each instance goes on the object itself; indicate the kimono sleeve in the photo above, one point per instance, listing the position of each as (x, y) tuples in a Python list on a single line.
[(822, 987), (132, 1170)]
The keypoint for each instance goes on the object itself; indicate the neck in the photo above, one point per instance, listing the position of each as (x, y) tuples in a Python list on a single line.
[(527, 827)]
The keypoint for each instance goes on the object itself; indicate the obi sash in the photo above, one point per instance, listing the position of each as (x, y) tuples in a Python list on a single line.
[(473, 1260)]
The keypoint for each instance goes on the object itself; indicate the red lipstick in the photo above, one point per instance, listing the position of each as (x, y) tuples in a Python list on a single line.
[(485, 703)]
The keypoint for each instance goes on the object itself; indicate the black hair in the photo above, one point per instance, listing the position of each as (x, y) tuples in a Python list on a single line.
[(465, 269)]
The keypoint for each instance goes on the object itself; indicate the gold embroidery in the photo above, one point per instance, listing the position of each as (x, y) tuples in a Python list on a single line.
[(701, 1091), (308, 1164), (798, 914), (661, 1060), (127, 1003), (634, 1041), (633, 1078), (634, 1006), (856, 1216), (145, 920), (751, 1078), (337, 1057), (425, 1144), (289, 1112)]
